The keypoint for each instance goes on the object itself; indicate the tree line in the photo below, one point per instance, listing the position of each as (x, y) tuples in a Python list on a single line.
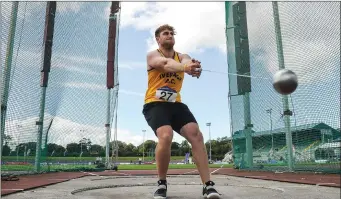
[(85, 148)]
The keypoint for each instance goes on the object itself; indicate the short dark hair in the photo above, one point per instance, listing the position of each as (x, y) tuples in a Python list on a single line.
[(162, 28)]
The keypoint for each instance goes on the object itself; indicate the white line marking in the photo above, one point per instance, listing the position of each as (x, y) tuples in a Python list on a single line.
[(122, 173), (93, 174), (217, 169), (189, 172), (255, 176), (318, 184)]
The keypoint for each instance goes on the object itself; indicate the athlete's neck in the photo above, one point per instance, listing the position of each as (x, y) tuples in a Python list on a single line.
[(169, 53)]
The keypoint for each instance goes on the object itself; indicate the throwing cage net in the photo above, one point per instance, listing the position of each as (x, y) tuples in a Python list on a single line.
[(295, 132), (59, 84), (59, 91)]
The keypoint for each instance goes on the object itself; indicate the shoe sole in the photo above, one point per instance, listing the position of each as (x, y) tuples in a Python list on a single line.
[(213, 196), (159, 197)]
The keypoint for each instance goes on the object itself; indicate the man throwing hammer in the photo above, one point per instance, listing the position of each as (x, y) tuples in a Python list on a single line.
[(164, 111)]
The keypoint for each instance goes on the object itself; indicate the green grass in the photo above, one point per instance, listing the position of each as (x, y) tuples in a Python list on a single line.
[(331, 164), (120, 167), (44, 168), (171, 166), (71, 167), (90, 159)]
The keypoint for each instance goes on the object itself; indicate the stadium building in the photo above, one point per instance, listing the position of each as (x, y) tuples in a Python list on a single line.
[(312, 143)]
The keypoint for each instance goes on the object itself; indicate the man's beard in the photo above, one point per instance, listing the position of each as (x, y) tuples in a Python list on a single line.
[(167, 46)]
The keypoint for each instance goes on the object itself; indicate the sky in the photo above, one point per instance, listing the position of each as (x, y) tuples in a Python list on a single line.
[(77, 95)]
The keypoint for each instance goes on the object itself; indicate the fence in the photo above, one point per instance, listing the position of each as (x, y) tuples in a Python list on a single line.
[(300, 131), (75, 103)]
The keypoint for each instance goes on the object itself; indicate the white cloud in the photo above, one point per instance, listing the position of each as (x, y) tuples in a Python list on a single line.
[(36, 7), (64, 131), (73, 62), (131, 137), (200, 27), (90, 86), (131, 65), (16, 129), (137, 137), (127, 92), (93, 86), (81, 60), (77, 63), (308, 45), (69, 6)]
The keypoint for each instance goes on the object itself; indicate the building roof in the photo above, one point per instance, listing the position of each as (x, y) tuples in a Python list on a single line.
[(318, 126)]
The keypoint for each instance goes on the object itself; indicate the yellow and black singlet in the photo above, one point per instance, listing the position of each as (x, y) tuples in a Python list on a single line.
[(164, 86)]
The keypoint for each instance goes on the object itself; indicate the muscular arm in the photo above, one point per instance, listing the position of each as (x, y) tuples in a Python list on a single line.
[(185, 58), (155, 60)]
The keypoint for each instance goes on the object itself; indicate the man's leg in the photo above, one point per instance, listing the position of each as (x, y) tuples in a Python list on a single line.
[(163, 150), (158, 116), (193, 135), (186, 124)]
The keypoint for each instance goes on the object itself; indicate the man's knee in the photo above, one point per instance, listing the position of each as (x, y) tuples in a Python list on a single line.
[(192, 133), (165, 135)]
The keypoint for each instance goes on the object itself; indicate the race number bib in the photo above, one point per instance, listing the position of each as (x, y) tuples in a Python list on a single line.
[(167, 94)]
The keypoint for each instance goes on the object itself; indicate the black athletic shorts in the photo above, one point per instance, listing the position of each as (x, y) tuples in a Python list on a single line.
[(176, 115)]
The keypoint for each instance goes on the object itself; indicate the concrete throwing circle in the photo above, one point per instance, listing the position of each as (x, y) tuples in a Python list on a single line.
[(176, 191)]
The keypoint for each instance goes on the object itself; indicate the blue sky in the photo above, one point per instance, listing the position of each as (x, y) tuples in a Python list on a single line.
[(77, 90)]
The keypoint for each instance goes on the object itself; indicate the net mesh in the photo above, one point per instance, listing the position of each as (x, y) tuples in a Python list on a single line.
[(311, 48), (76, 98), (75, 112)]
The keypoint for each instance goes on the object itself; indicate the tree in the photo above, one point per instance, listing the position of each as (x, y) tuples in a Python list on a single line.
[(58, 150), (7, 139), (6, 151), (175, 149), (148, 146), (29, 146), (73, 149), (219, 147), (85, 144), (131, 150), (185, 147), (96, 150), (121, 148)]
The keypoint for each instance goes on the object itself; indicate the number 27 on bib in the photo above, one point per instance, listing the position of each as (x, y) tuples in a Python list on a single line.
[(166, 94)]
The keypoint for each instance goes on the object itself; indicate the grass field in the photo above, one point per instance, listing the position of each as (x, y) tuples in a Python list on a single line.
[(70, 159), (326, 168), (77, 163), (120, 167)]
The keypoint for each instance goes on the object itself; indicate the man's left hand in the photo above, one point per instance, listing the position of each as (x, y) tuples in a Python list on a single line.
[(198, 72)]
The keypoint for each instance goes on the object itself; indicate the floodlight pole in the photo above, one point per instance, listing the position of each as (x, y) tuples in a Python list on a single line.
[(144, 134), (209, 134)]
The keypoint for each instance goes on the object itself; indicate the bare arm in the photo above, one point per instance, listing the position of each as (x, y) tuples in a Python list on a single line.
[(155, 60), (185, 58)]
